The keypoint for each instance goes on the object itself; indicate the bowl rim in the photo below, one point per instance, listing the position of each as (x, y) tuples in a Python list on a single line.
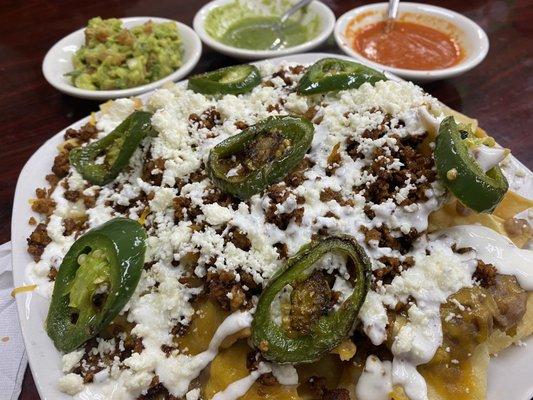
[(188, 64), (323, 11), (441, 12)]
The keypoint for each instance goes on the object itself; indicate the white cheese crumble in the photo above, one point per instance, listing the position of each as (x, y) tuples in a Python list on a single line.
[(71, 384), (216, 214)]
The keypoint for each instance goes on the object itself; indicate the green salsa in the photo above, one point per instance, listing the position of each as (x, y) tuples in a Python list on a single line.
[(257, 33), (247, 24), (114, 57)]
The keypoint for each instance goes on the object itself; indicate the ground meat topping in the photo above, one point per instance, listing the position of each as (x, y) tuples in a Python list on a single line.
[(72, 195), (485, 274), (72, 225), (83, 135), (208, 119), (61, 165), (229, 293), (93, 362), (319, 389), (37, 241), (392, 239), (240, 240), (392, 268), (401, 172), (153, 171), (297, 176)]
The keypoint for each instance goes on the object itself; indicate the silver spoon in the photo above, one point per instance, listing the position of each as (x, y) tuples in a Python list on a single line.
[(392, 13), (280, 41)]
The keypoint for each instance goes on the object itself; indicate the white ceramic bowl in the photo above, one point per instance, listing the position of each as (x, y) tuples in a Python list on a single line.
[(316, 8), (468, 34), (57, 62)]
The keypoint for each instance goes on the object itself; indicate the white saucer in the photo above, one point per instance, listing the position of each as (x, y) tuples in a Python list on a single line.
[(57, 62)]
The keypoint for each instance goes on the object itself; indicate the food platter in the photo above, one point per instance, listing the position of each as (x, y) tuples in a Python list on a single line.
[(508, 373)]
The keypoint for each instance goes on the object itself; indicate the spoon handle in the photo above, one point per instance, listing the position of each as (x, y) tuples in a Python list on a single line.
[(392, 11), (293, 9)]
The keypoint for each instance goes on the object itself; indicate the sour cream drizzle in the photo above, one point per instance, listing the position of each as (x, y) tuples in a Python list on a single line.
[(430, 281), (188, 368), (496, 249), (488, 157), (375, 382), (239, 388)]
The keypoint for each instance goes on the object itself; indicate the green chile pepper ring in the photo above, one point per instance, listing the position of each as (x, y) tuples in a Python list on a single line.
[(331, 329), (131, 131), (237, 79), (299, 130), (123, 241), (476, 189), (333, 74)]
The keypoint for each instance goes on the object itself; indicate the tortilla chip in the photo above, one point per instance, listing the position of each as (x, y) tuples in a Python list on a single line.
[(448, 216), (500, 340), (512, 204), (465, 120)]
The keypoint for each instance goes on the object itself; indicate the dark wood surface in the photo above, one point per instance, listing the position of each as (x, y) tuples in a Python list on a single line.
[(499, 92)]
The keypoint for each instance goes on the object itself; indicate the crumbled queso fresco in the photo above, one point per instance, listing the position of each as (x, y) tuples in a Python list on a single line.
[(362, 176)]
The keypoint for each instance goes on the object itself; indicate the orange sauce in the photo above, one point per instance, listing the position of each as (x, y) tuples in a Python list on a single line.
[(407, 45)]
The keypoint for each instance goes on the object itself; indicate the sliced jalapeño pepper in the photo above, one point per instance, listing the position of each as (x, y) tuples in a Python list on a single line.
[(259, 156), (462, 175), (230, 80), (95, 280), (333, 74), (116, 149), (280, 345)]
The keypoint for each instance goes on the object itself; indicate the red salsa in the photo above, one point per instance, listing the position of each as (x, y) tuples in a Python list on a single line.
[(407, 45)]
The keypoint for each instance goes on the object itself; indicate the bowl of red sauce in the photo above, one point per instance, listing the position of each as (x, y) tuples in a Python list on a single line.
[(424, 43)]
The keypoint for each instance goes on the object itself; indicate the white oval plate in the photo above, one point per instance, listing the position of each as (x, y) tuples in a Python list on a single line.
[(509, 373), (315, 7), (470, 36), (57, 62)]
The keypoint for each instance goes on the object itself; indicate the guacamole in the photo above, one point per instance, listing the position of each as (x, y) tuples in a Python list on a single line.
[(114, 57)]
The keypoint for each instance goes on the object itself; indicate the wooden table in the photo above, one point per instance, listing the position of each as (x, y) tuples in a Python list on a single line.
[(499, 92)]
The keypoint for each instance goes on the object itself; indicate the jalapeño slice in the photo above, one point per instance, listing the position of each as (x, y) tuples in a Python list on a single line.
[(95, 281), (100, 162), (281, 346), (333, 74), (259, 156), (462, 175), (230, 80)]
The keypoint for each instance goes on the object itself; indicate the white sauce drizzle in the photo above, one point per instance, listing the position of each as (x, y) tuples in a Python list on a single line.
[(488, 157), (430, 122), (375, 382), (430, 281), (187, 368), (496, 249), (239, 388)]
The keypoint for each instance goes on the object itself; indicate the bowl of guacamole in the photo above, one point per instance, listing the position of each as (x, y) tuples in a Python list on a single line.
[(243, 28), (115, 57), (111, 58)]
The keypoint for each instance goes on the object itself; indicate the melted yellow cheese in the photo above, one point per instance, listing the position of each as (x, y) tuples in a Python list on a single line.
[(205, 322), (230, 366)]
